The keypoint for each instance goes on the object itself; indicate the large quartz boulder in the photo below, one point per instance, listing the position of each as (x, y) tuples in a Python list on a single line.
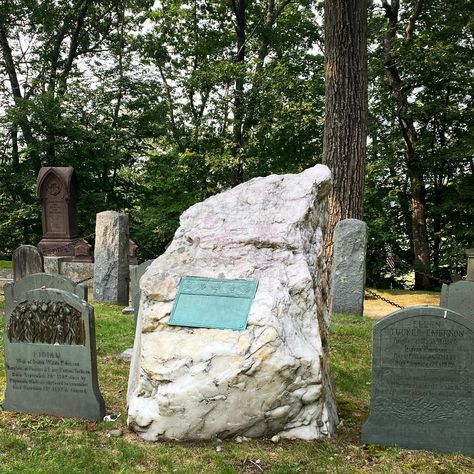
[(270, 378)]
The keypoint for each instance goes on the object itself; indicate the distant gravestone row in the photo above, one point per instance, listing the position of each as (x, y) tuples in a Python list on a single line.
[(50, 353)]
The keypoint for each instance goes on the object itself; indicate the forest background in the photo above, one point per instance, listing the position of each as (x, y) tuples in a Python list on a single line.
[(158, 105)]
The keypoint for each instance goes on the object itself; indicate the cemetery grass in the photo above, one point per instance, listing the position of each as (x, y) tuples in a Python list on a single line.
[(5, 265), (41, 444)]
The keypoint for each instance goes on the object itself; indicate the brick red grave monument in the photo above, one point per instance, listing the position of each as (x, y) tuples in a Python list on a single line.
[(58, 192)]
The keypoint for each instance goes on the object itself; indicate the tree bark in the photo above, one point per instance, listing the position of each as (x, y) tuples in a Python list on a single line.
[(345, 130), (415, 172)]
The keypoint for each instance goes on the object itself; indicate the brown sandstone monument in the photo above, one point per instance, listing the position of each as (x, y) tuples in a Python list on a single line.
[(58, 192)]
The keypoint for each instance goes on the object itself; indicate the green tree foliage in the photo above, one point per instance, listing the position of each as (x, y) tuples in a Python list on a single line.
[(436, 70), (158, 105)]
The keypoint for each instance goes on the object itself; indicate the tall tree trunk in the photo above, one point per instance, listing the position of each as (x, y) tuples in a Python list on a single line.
[(345, 130), (240, 7), (419, 233), (15, 153)]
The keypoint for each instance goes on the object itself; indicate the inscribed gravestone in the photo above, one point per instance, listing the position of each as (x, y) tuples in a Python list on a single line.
[(27, 259), (58, 192), (422, 381), (111, 254), (50, 354), (348, 267), (470, 264), (459, 297)]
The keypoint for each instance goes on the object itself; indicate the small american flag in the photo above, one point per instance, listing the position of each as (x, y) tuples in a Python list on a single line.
[(390, 260)]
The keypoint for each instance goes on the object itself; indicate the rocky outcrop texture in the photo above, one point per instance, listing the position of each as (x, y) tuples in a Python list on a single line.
[(111, 258), (270, 378)]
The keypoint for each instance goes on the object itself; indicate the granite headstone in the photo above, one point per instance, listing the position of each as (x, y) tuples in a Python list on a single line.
[(27, 259), (459, 297), (348, 267), (50, 353), (422, 381), (111, 254), (136, 272)]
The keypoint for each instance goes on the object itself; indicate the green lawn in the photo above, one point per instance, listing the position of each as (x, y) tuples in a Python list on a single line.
[(5, 265), (30, 444)]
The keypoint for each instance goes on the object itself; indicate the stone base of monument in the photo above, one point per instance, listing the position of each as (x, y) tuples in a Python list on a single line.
[(72, 250), (269, 378)]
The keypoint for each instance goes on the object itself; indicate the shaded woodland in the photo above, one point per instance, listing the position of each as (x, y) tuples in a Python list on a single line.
[(160, 105)]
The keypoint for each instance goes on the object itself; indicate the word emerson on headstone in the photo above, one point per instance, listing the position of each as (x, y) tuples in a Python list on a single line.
[(422, 381), (50, 354)]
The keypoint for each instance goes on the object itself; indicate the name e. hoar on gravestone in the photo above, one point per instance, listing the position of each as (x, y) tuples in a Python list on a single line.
[(422, 381), (58, 192), (50, 353)]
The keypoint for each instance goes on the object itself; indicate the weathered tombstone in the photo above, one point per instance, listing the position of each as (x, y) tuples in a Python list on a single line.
[(58, 192), (27, 259), (459, 297), (50, 353), (136, 273), (111, 269), (133, 253), (422, 381), (264, 378), (470, 264), (348, 267)]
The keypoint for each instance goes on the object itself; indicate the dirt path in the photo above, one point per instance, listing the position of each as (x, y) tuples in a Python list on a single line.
[(376, 309)]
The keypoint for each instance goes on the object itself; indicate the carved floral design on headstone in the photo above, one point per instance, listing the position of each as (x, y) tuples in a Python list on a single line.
[(47, 323)]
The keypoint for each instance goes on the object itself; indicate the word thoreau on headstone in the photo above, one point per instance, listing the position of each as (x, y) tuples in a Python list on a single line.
[(422, 381), (50, 354)]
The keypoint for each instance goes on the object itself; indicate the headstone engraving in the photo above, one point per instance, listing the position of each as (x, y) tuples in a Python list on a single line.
[(459, 297), (348, 267), (111, 253), (422, 381), (470, 264), (58, 192), (27, 259), (50, 354), (213, 303)]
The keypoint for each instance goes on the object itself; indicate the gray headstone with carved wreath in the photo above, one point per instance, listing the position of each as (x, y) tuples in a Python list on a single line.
[(49, 347)]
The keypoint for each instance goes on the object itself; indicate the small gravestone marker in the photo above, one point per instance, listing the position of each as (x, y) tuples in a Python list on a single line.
[(459, 297), (50, 355), (422, 381), (135, 274), (348, 267), (213, 303), (27, 260)]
